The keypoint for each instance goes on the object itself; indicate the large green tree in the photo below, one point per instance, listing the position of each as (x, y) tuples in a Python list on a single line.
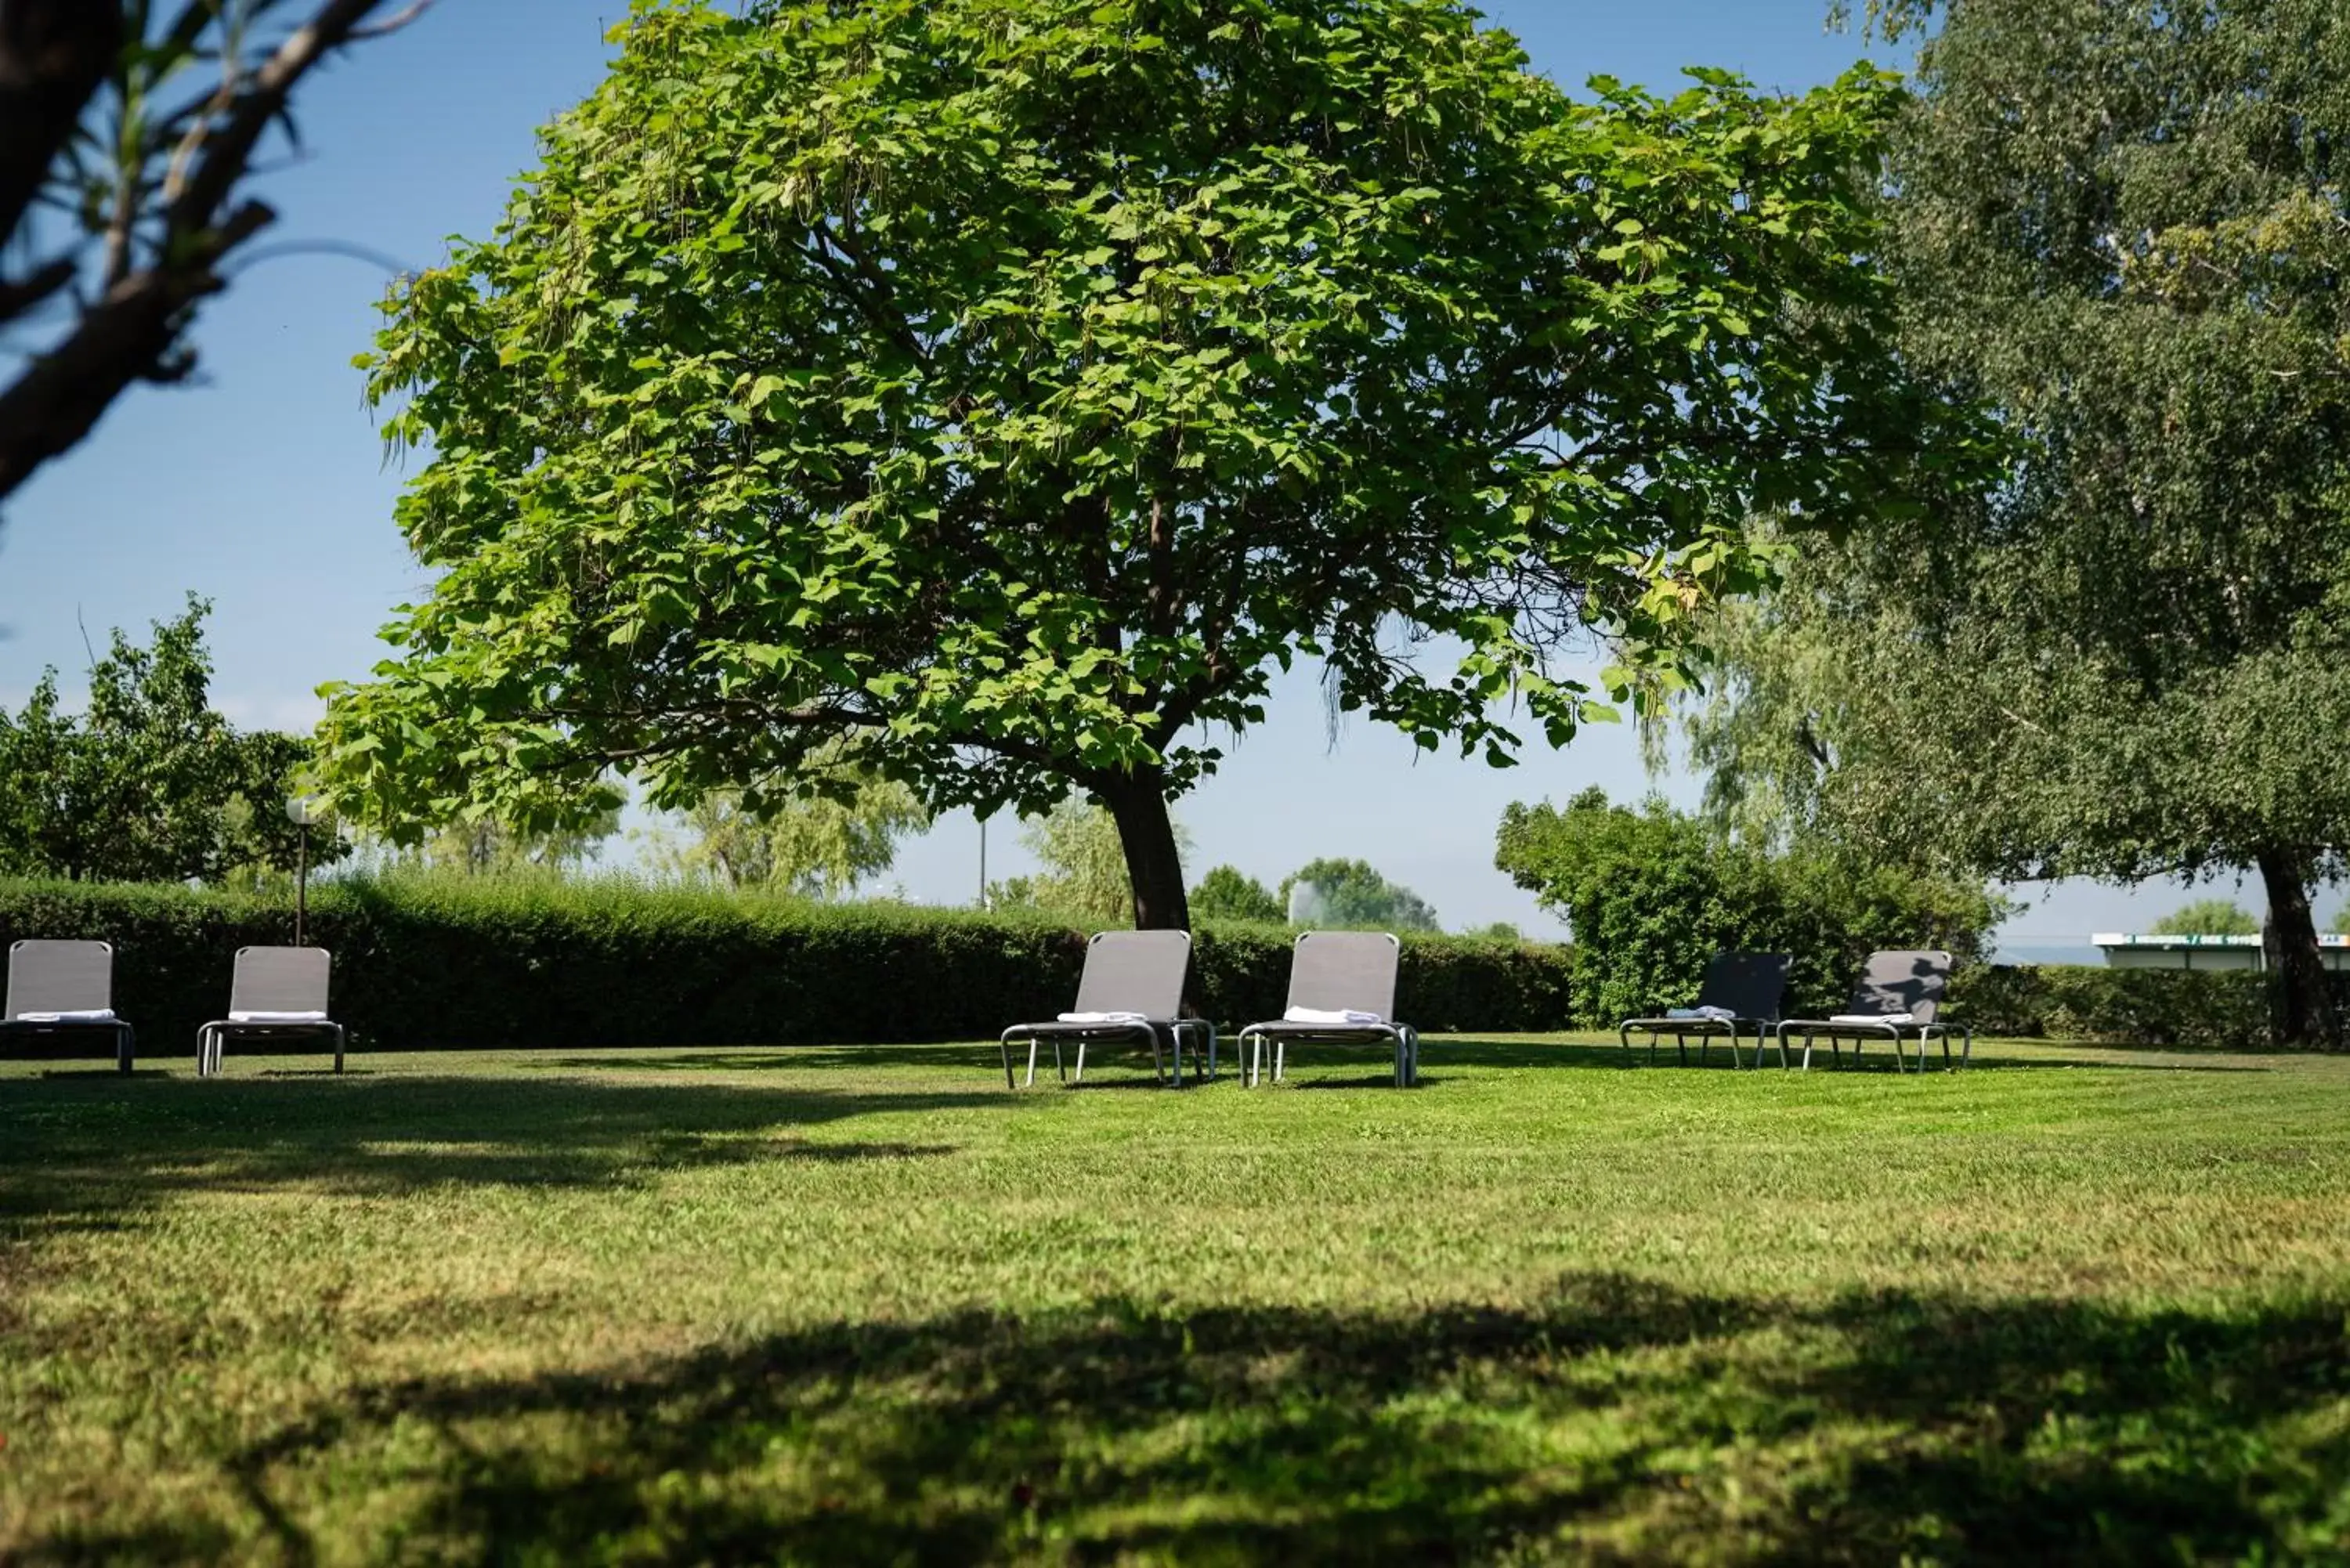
[(2121, 223), (1351, 894), (1017, 383), (148, 782)]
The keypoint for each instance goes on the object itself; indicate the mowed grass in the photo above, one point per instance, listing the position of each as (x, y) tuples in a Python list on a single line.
[(865, 1305)]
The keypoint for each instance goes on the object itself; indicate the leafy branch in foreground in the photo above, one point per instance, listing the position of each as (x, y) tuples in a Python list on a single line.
[(126, 138)]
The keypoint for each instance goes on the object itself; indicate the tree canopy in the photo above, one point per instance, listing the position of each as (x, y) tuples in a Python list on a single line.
[(2208, 918), (1351, 894), (2120, 223), (1228, 893), (1017, 386), (148, 784)]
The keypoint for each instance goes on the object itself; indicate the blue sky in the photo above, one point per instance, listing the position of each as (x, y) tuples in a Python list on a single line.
[(264, 487)]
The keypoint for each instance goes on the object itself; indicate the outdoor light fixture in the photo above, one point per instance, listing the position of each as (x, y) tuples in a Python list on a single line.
[(301, 810)]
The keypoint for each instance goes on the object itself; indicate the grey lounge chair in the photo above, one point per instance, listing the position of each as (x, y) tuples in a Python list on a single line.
[(1749, 987), (1898, 995), (1338, 971), (63, 987), (1132, 988), (272, 991)]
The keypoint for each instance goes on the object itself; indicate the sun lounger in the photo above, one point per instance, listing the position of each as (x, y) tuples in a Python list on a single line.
[(273, 992), (1132, 989), (65, 988), (1898, 998), (1341, 987), (1741, 992)]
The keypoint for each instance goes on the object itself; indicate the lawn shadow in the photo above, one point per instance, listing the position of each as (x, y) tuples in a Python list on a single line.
[(1860, 1429), (90, 1156)]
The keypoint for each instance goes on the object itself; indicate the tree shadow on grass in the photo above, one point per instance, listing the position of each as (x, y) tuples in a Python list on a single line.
[(1617, 1420), (83, 1155)]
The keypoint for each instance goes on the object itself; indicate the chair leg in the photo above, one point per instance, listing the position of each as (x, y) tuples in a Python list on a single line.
[(1279, 1056), (1081, 1057), (341, 1039), (123, 1049)]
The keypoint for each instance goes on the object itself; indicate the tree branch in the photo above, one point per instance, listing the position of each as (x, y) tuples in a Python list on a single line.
[(128, 336)]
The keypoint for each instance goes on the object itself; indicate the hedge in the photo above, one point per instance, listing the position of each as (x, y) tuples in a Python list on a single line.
[(433, 963), (2223, 1009)]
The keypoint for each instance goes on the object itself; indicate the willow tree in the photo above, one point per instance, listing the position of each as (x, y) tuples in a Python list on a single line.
[(2122, 224), (1013, 384)]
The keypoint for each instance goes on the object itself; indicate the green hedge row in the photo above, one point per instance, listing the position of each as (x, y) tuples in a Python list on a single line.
[(423, 964), (2222, 1009)]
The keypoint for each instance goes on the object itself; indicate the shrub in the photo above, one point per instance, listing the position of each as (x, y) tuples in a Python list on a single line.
[(1652, 894), (2225, 1009), (426, 963)]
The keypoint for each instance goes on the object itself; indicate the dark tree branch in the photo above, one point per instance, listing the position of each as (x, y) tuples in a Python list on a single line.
[(54, 54), (130, 333)]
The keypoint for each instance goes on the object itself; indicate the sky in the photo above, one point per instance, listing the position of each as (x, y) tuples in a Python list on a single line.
[(264, 487)]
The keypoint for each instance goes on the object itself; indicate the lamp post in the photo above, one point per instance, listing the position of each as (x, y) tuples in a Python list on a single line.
[(301, 810)]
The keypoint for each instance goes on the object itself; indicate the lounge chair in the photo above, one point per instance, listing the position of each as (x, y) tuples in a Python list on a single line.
[(1898, 995), (1341, 987), (65, 988), (1131, 990), (273, 992), (1740, 991)]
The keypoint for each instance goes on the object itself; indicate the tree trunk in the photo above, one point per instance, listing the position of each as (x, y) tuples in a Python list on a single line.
[(2300, 993), (1146, 832)]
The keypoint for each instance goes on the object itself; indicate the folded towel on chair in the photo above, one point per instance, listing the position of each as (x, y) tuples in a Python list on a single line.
[(85, 1015), (1896, 1019), (1342, 1017), (1103, 1018), (250, 1016), (1713, 1014)]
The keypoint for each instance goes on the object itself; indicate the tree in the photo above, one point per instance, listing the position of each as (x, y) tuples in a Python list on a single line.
[(1225, 893), (2207, 918), (149, 783), (1084, 874), (485, 847), (1018, 398), (2121, 224), (142, 190), (818, 846), (1351, 894)]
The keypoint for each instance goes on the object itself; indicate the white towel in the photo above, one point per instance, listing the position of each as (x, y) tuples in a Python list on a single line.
[(1343, 1017), (1893, 1018), (85, 1015), (1103, 1018), (252, 1017), (1716, 1014)]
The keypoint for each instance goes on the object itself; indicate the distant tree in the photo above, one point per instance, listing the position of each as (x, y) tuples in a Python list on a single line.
[(148, 784), (1349, 894), (2121, 224), (1226, 894), (1023, 386), (1499, 931), (126, 132), (1084, 874), (2207, 918), (488, 847), (821, 845)]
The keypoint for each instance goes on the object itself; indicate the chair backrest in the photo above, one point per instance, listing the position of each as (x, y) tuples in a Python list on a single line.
[(1910, 982), (1135, 971), (59, 977), (1333, 970), (279, 980), (1752, 985)]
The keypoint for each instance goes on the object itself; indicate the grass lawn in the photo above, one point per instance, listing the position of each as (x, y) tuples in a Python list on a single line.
[(867, 1306)]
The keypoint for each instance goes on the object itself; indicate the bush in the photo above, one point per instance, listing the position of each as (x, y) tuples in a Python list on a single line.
[(1652, 894), (428, 963), (2224, 1009)]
